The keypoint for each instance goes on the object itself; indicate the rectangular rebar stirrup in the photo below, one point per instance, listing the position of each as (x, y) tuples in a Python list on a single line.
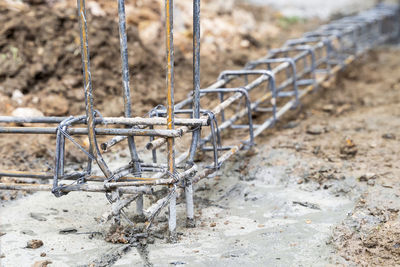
[(265, 76)]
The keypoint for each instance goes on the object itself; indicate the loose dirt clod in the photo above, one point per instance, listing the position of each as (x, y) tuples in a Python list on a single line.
[(117, 235), (348, 149), (315, 129), (34, 243)]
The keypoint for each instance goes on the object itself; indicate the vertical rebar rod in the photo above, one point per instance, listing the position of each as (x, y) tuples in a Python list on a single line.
[(169, 21), (127, 95), (90, 112), (82, 27), (196, 110), (87, 79)]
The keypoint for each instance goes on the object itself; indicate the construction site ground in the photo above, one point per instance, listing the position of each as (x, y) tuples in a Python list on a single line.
[(320, 188)]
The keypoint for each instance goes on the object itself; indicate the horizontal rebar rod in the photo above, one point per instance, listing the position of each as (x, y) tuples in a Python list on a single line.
[(108, 120), (99, 131), (71, 188)]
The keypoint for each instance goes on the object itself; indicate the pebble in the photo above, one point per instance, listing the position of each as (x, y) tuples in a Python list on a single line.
[(17, 96), (34, 243), (328, 108), (366, 177), (26, 112), (315, 129), (389, 136), (38, 216), (291, 125), (68, 230)]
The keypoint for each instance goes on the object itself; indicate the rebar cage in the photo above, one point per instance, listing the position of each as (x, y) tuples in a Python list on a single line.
[(246, 102)]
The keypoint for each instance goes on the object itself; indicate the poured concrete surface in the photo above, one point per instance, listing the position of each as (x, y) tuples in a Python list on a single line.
[(256, 222)]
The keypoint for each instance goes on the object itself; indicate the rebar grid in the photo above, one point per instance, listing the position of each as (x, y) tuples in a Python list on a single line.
[(250, 101)]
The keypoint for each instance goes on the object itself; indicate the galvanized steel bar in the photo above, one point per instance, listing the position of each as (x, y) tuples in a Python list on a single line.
[(94, 149)]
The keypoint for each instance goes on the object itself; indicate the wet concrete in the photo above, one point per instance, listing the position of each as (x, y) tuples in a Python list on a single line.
[(257, 222)]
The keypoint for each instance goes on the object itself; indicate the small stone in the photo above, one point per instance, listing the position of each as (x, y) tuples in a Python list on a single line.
[(68, 230), (26, 112), (389, 136), (226, 222), (291, 125), (34, 243), (261, 226), (308, 221), (328, 108), (366, 177), (95, 9), (213, 224), (316, 150), (315, 129), (43, 254), (38, 216), (245, 43), (372, 145), (17, 96)]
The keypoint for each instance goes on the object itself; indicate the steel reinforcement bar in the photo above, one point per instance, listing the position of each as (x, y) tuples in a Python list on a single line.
[(248, 101)]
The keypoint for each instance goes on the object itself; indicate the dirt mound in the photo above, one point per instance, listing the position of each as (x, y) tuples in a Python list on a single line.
[(40, 55)]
